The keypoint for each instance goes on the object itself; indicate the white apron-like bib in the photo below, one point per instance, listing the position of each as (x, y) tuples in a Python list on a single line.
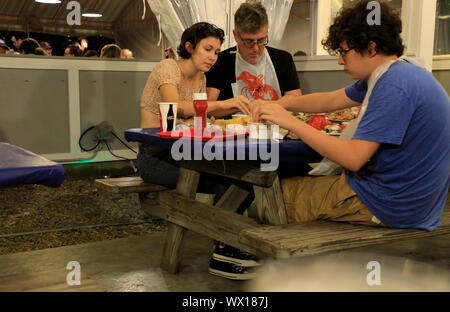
[(257, 81)]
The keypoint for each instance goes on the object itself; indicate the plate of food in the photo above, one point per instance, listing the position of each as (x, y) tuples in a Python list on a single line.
[(343, 116), (323, 124)]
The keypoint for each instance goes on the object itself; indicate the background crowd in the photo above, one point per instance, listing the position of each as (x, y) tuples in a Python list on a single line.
[(25, 45)]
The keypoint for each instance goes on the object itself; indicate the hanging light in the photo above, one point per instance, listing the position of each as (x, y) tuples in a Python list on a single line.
[(48, 1), (92, 14)]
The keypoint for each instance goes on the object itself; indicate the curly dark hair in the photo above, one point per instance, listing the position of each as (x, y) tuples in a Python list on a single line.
[(195, 34), (351, 25)]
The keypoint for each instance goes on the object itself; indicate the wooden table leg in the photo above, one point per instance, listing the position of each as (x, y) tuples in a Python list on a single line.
[(232, 199), (270, 203), (173, 247)]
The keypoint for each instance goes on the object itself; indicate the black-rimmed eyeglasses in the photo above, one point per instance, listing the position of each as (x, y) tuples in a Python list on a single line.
[(250, 43), (343, 52)]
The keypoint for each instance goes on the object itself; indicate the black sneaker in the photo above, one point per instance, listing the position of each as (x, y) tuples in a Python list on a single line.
[(234, 256), (230, 271)]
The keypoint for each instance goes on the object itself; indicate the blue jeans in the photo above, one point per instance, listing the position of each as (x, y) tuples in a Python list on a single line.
[(157, 166)]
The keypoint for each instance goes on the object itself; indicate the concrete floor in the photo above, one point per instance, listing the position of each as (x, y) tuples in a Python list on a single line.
[(132, 264)]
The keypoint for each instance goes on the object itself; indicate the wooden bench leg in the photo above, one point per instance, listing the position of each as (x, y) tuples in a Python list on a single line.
[(270, 203), (173, 247)]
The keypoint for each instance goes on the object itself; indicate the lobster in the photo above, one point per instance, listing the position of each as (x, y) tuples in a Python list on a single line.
[(255, 87)]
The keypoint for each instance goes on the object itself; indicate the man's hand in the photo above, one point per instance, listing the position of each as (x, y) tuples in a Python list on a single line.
[(271, 111)]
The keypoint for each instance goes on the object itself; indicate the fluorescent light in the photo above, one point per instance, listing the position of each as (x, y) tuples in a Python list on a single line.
[(92, 14), (48, 1)]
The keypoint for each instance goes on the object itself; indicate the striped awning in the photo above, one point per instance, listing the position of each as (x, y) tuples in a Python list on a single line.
[(28, 15)]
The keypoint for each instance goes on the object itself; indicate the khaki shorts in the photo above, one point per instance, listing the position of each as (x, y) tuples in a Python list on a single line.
[(324, 198)]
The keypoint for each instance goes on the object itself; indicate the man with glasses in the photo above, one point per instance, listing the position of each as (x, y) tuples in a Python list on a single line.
[(252, 69), (256, 71)]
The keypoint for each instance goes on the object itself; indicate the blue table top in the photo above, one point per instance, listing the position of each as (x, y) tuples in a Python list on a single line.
[(19, 166), (289, 150)]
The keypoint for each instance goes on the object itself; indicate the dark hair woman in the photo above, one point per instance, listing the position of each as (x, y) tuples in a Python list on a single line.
[(177, 81), (194, 34)]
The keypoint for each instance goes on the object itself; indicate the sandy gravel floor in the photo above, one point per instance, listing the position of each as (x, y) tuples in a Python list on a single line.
[(36, 217)]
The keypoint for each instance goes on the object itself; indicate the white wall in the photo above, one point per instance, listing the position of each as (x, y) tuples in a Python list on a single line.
[(297, 35), (70, 68)]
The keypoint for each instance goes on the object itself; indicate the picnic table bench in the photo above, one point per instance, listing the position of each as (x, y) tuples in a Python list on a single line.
[(219, 222), (270, 236)]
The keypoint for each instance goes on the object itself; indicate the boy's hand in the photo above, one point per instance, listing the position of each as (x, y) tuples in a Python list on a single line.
[(273, 112)]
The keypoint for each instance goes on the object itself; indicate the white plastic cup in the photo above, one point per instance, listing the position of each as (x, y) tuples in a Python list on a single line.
[(168, 116)]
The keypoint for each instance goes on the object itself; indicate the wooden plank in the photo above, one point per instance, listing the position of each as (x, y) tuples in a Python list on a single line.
[(246, 171), (308, 238), (232, 199), (218, 224), (270, 203), (127, 185), (173, 247), (47, 281), (188, 182)]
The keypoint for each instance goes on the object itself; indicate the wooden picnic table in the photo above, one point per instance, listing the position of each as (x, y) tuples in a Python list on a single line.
[(269, 236), (180, 205), (247, 157)]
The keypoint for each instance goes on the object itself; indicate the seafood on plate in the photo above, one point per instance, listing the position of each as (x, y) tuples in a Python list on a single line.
[(344, 115)]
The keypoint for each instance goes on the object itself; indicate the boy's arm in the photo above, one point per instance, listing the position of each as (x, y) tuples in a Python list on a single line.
[(351, 154), (322, 102)]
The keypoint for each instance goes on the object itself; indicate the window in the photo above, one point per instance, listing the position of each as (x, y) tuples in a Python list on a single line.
[(308, 24), (442, 30), (298, 35)]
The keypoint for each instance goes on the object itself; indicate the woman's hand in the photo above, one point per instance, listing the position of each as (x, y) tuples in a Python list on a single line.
[(240, 102), (271, 111)]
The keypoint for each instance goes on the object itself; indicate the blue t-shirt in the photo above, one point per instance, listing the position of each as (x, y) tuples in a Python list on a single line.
[(406, 182)]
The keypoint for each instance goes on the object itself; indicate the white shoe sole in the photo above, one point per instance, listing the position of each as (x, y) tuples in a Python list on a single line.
[(233, 276), (240, 262)]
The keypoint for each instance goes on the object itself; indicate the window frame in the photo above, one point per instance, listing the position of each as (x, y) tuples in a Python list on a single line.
[(418, 17)]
